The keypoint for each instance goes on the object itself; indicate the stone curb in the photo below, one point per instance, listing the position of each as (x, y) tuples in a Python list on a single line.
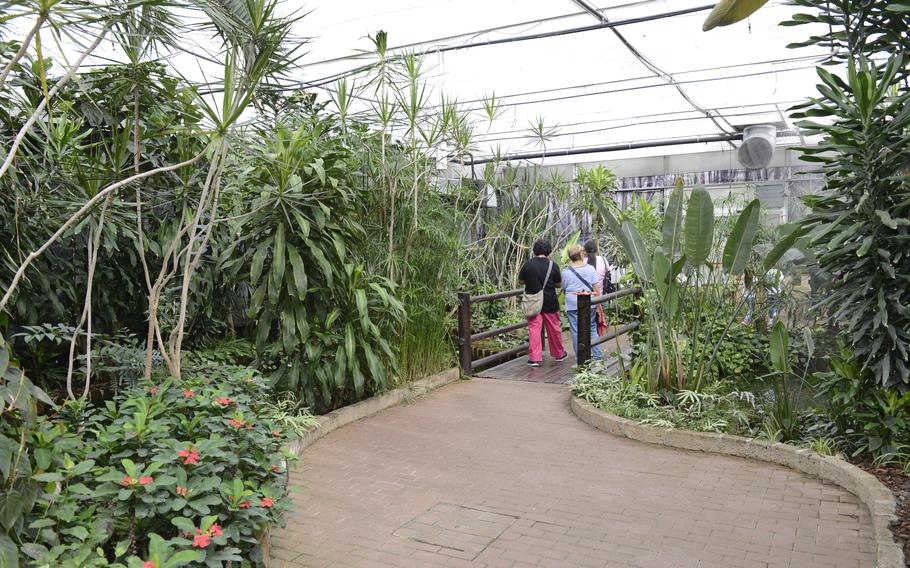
[(864, 485), (347, 414)]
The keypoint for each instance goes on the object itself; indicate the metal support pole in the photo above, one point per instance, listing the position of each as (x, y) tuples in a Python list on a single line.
[(584, 329), (464, 332)]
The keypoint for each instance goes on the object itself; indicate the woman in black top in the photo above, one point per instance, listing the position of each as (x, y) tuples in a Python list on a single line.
[(532, 275)]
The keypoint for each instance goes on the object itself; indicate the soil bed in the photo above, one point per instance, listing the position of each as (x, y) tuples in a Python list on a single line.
[(899, 484)]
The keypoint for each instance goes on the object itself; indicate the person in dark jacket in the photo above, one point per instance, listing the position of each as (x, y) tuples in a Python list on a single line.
[(532, 275)]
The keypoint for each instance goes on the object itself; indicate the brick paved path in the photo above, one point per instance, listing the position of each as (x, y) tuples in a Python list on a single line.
[(501, 474)]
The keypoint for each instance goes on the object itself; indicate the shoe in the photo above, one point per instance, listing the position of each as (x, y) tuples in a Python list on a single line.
[(563, 358), (533, 363)]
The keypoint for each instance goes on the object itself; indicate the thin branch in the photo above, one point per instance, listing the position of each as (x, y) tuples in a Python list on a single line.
[(82, 211), (20, 136), (25, 44)]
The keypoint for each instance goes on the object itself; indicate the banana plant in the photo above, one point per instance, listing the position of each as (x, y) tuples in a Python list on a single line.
[(680, 276)]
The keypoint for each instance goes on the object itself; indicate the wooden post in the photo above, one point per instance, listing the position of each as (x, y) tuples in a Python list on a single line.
[(584, 329), (464, 332)]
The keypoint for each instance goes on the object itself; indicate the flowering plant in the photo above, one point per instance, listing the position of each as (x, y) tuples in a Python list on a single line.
[(158, 477)]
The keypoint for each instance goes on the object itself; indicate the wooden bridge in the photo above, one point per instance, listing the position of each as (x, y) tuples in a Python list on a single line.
[(509, 364)]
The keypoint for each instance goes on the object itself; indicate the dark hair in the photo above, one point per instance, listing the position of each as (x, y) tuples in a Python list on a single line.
[(542, 246), (591, 249)]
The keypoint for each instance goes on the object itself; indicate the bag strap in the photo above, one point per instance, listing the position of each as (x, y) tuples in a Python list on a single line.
[(583, 281), (547, 277)]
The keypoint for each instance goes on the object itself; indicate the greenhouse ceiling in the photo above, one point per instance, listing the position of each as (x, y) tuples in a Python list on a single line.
[(654, 77), (669, 80)]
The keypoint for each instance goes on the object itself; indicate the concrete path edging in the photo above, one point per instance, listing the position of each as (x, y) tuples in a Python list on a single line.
[(865, 486), (351, 413)]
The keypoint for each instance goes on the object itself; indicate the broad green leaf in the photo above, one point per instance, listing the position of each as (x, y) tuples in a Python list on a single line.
[(341, 364), (82, 467), (641, 261), (782, 246), (300, 278), (359, 379), (9, 553), (699, 227), (49, 477), (278, 259), (779, 347), (349, 341), (864, 248), (258, 261), (12, 504), (661, 266), (886, 219), (673, 221), (360, 298), (728, 12), (739, 245)]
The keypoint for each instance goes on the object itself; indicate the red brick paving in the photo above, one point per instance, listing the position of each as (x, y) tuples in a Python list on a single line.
[(501, 474)]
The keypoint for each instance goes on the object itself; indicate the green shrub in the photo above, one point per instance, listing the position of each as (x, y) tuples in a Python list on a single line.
[(171, 473), (731, 412), (858, 412)]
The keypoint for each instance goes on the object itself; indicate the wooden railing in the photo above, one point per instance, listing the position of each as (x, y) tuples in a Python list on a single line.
[(466, 335), (585, 304)]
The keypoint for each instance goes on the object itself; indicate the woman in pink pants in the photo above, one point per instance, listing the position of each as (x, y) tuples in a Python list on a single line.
[(532, 275)]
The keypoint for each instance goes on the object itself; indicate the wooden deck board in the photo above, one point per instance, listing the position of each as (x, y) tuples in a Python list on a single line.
[(549, 371)]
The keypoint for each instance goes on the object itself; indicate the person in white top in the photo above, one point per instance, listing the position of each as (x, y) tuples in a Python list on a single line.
[(601, 265)]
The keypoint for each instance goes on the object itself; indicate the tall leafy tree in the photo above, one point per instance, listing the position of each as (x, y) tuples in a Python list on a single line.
[(859, 223)]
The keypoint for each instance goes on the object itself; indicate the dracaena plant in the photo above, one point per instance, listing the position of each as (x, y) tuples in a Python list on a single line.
[(859, 223), (319, 314), (689, 270)]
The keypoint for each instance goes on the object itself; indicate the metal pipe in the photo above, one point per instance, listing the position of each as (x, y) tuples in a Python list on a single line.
[(616, 333), (608, 148), (496, 357), (497, 295), (615, 295), (498, 331)]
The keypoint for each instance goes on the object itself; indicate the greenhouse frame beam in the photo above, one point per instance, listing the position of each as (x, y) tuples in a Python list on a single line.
[(487, 43), (607, 148)]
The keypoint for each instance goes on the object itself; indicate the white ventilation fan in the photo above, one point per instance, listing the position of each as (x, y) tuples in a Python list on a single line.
[(758, 145)]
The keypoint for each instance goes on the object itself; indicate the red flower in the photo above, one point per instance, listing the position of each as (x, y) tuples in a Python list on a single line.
[(201, 540), (148, 564), (188, 393), (215, 530), (235, 423), (276, 469), (189, 456), (145, 480), (276, 432), (154, 390), (249, 426), (127, 481), (266, 502), (181, 491), (224, 401), (245, 505)]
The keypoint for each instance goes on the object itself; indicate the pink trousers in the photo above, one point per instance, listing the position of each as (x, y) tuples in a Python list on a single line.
[(554, 336)]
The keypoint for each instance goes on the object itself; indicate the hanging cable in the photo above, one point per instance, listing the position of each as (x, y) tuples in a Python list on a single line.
[(585, 5), (474, 34)]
